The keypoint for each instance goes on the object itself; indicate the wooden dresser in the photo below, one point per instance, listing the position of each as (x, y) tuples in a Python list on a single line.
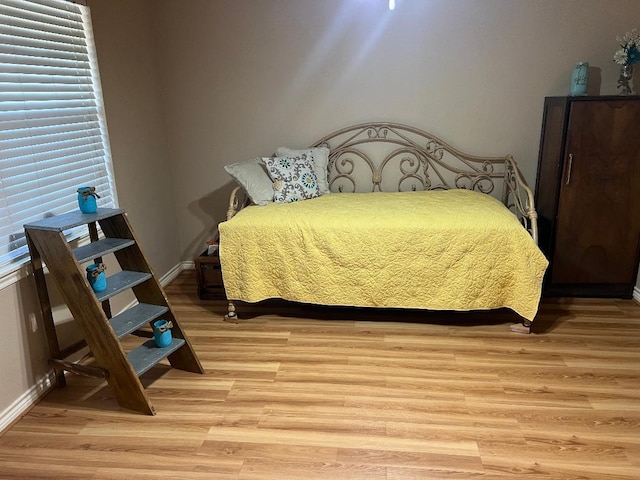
[(588, 195)]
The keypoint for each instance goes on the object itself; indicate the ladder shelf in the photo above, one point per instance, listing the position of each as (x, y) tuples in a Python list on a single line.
[(102, 332)]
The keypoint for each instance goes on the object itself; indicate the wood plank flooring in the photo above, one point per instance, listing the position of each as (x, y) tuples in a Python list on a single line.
[(298, 392)]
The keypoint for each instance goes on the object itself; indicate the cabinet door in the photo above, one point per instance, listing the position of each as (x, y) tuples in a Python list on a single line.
[(598, 222)]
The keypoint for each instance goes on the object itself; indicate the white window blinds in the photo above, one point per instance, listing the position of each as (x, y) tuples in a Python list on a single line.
[(53, 136)]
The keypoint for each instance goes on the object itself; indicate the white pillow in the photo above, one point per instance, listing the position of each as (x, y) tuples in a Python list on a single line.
[(319, 157), (293, 178), (253, 177)]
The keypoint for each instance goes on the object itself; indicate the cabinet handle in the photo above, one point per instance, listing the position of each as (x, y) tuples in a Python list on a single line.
[(569, 169)]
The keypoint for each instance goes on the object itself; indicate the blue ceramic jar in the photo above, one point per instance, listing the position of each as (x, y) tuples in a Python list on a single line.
[(580, 79), (96, 277), (87, 199), (162, 333)]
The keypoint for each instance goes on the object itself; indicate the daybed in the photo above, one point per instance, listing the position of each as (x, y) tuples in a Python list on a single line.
[(398, 219)]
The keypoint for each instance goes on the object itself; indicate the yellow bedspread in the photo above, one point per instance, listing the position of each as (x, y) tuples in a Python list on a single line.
[(438, 250)]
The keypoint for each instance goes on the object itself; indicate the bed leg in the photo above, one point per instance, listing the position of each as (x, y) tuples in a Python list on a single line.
[(523, 327), (231, 316)]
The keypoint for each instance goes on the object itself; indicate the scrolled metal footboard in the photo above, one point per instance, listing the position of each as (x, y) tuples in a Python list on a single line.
[(518, 197)]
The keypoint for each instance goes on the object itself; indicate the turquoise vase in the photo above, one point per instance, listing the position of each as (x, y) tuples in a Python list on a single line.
[(96, 277), (580, 79), (87, 199), (162, 333)]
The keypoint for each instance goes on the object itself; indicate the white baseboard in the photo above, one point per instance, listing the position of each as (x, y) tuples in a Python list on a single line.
[(43, 385), (175, 271), (18, 408), (636, 294), (188, 265)]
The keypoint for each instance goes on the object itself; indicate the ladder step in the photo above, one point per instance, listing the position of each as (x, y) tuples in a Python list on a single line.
[(135, 317), (122, 281), (69, 220), (149, 354), (100, 248)]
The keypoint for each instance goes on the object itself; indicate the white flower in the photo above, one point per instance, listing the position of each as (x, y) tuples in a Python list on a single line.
[(629, 52), (620, 57)]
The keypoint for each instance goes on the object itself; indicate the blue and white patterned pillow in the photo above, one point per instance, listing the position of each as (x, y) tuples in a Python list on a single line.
[(319, 157), (293, 178)]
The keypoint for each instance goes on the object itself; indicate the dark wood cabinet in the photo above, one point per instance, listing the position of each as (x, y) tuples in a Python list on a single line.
[(588, 195)]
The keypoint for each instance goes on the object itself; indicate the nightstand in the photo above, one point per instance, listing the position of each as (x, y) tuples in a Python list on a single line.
[(209, 277)]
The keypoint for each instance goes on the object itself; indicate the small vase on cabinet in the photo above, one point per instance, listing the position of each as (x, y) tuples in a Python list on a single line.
[(580, 79)]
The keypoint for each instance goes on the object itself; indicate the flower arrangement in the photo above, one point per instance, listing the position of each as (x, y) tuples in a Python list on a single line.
[(629, 52)]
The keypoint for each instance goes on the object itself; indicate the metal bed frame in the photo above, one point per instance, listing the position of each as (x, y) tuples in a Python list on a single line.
[(384, 156)]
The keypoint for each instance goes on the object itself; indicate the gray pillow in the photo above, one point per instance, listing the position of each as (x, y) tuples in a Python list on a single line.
[(253, 177)]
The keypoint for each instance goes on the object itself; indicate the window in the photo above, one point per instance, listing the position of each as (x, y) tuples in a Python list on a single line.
[(53, 136)]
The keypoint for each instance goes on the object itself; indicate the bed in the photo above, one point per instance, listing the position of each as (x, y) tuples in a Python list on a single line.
[(397, 219)]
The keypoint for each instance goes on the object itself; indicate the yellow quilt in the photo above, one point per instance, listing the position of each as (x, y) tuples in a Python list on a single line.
[(438, 250)]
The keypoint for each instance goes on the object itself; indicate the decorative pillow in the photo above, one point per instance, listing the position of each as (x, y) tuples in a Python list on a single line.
[(293, 178), (253, 177), (319, 157)]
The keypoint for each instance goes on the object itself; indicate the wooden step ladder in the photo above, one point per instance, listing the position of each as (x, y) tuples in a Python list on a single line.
[(102, 332)]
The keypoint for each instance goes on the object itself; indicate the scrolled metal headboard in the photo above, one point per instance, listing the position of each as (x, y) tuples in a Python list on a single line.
[(413, 158)]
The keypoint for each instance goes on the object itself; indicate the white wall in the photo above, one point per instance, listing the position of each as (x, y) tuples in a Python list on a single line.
[(191, 86)]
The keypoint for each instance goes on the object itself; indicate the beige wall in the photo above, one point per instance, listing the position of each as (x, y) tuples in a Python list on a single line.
[(192, 85), (242, 77), (132, 92)]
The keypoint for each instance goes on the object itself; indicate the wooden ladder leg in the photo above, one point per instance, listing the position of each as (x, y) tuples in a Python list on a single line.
[(129, 391), (45, 308)]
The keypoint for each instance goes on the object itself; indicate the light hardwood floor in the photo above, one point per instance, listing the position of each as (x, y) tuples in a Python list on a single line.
[(294, 392)]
